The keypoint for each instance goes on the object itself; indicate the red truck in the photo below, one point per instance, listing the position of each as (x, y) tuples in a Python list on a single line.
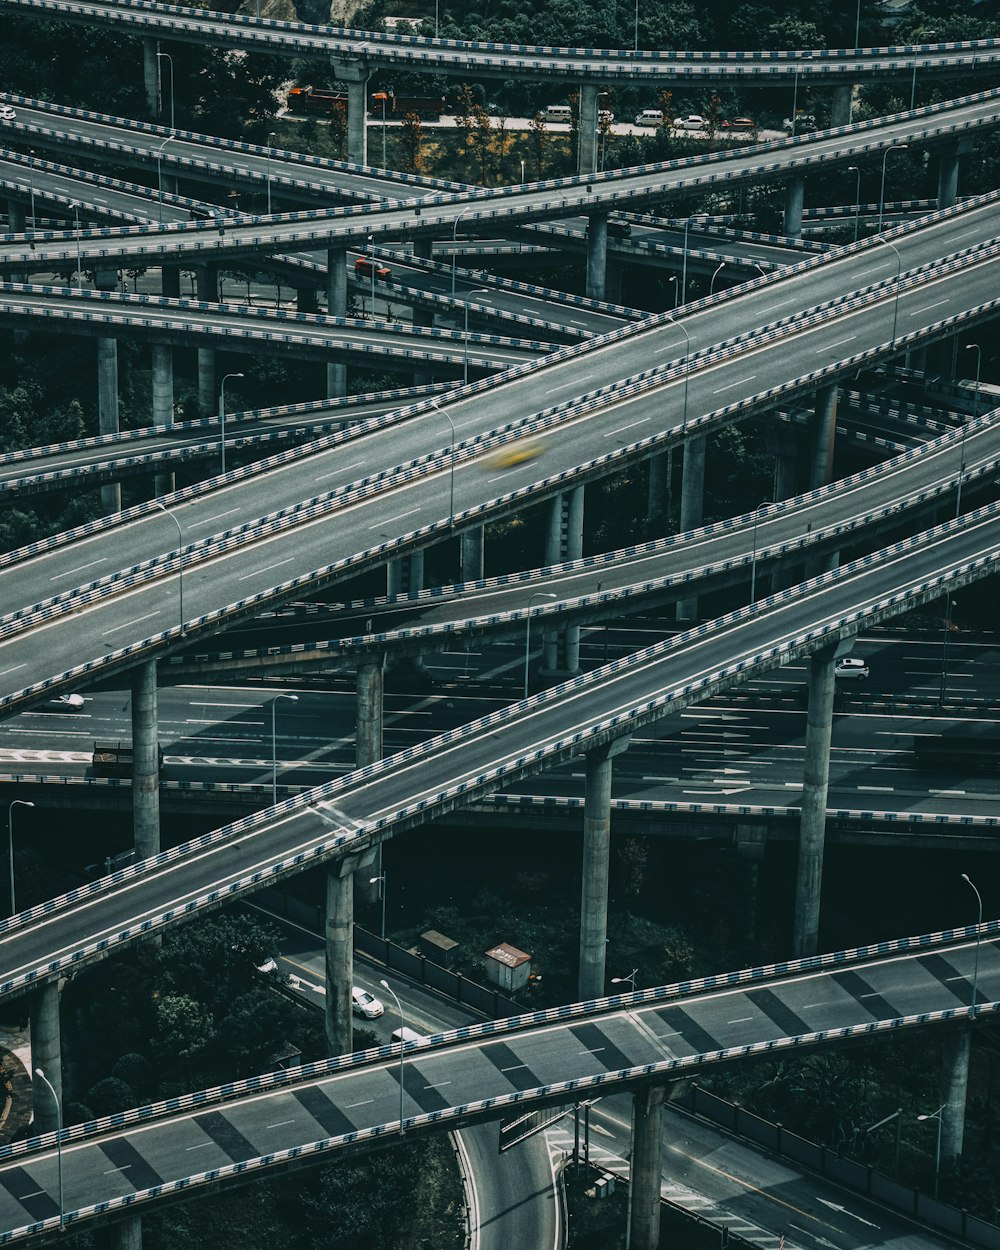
[(316, 100), (396, 107)]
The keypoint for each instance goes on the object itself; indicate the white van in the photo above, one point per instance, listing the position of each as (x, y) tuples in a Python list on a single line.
[(558, 113), (406, 1035), (649, 117)]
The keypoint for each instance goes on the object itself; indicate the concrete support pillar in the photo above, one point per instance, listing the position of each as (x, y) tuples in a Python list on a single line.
[(692, 507), (163, 403), (145, 762), (336, 306), (405, 574), (369, 700), (596, 861), (824, 433), (954, 1090), (840, 109), (597, 254), (613, 282), (305, 299), (15, 217), (124, 1234), (46, 1053), (751, 842), (473, 553), (564, 541), (150, 80), (947, 179), (812, 827), (208, 291), (170, 281), (646, 1169), (786, 473), (107, 408), (355, 75), (659, 494), (339, 959), (587, 135), (795, 193)]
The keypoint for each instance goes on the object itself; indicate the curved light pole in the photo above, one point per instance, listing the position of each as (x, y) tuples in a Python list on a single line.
[(539, 594), (180, 556), (167, 57), (454, 248), (159, 179), (451, 457), (622, 980), (753, 559), (75, 206), (479, 290), (292, 698), (380, 881), (389, 990), (979, 938), (48, 1085), (10, 845), (687, 365), (936, 1115), (895, 147), (899, 268), (222, 413), (711, 286), (857, 196), (271, 135)]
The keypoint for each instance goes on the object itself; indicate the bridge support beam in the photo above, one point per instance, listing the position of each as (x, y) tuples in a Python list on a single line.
[(824, 433), (795, 193), (355, 75), (646, 1169), (564, 541), (954, 1090), (473, 553), (145, 762), (107, 409), (163, 402), (812, 825), (208, 292), (150, 78), (46, 1053), (596, 862), (124, 1234), (840, 108), (340, 950), (336, 306), (692, 506), (947, 193), (15, 216), (587, 133), (597, 254), (659, 492), (405, 574)]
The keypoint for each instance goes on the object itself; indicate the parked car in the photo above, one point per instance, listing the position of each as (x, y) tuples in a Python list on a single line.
[(363, 268), (851, 667), (7, 113), (365, 1004), (649, 117), (693, 121), (739, 123)]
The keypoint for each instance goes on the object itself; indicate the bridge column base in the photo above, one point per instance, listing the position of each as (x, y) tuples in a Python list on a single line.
[(596, 860), (645, 1172), (46, 1053), (692, 506), (816, 778), (107, 407)]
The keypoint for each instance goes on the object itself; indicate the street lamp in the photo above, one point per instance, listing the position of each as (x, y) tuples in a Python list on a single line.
[(684, 264), (711, 286), (292, 698), (380, 882), (383, 94), (965, 427), (371, 265), (222, 414), (630, 979), (454, 248), (180, 556), (522, 173), (159, 178), (857, 27), (10, 845), (479, 290), (753, 559), (48, 1085), (637, 25), (979, 921), (895, 147), (896, 1115), (271, 135), (687, 365), (539, 594), (895, 306), (857, 198), (451, 453), (31, 184), (75, 206), (936, 1115), (167, 57), (385, 985)]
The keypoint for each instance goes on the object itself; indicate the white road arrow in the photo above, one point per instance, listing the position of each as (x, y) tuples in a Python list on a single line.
[(836, 1206)]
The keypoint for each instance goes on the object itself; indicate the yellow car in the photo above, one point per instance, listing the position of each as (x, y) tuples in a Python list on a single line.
[(514, 454)]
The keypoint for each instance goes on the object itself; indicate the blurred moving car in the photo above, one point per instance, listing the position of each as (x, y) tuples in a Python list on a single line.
[(365, 1004), (363, 268), (514, 454), (850, 667), (63, 703), (739, 123)]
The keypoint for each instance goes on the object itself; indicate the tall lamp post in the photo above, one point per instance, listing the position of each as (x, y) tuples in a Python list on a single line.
[(48, 1085), (79, 263), (711, 285), (31, 183), (222, 415), (687, 364), (979, 938), (380, 881), (371, 266), (389, 990), (167, 57), (271, 136), (895, 147), (753, 559), (899, 270), (630, 979), (684, 264), (479, 290), (454, 248), (857, 27), (10, 846), (965, 426), (292, 698), (637, 25), (159, 178), (539, 594), (180, 555), (936, 1115), (857, 198), (451, 456)]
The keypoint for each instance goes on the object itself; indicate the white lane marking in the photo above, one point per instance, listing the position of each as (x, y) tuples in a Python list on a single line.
[(217, 517), (389, 520), (266, 569), (949, 794), (929, 307), (11, 670), (876, 789), (732, 385), (343, 468), (439, 1085), (830, 346), (79, 569), (118, 628), (622, 428), (202, 1146), (740, 1020), (281, 1123), (365, 1103)]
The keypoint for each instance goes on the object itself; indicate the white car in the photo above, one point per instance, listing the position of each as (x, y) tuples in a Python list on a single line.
[(851, 668), (365, 1004), (692, 122), (7, 114), (63, 703)]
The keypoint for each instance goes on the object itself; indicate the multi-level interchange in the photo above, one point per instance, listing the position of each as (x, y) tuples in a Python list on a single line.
[(386, 476)]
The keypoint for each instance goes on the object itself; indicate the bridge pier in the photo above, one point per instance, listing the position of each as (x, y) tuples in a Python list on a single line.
[(46, 1053), (15, 216), (405, 574), (751, 842), (145, 762), (840, 109), (355, 74), (587, 133), (473, 553), (824, 432), (597, 254), (692, 507), (954, 1091), (305, 299), (659, 491), (596, 861), (563, 541), (646, 1169), (947, 192), (107, 409), (795, 192), (208, 292), (340, 950), (812, 824), (124, 1234), (163, 403), (369, 701), (336, 306)]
